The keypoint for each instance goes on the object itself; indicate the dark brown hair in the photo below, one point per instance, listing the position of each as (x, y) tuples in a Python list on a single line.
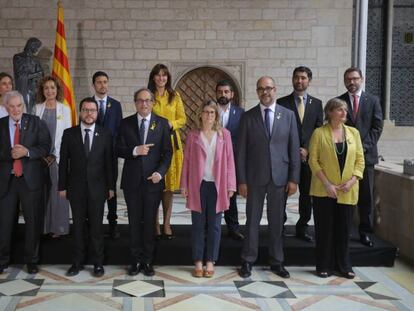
[(40, 97), (151, 84)]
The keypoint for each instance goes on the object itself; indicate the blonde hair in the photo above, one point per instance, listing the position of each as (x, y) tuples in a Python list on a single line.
[(213, 104), (333, 104)]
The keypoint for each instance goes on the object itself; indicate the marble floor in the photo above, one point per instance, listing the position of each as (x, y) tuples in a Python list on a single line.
[(173, 287)]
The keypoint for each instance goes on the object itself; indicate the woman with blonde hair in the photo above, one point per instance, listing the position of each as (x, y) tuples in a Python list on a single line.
[(168, 104), (336, 158), (57, 117), (208, 181)]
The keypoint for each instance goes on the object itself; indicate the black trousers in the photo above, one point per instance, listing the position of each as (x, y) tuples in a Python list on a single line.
[(332, 225), (305, 202), (142, 208), (87, 217), (366, 200), (113, 202), (31, 202), (231, 216)]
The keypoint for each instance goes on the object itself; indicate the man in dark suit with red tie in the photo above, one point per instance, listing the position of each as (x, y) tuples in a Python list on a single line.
[(24, 140), (145, 144), (364, 113), (309, 116), (230, 115), (109, 116), (85, 178)]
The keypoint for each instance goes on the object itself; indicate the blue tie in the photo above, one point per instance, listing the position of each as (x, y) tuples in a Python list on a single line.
[(267, 122), (101, 114), (142, 131)]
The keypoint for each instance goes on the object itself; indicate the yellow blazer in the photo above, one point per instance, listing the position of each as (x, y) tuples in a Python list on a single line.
[(322, 156)]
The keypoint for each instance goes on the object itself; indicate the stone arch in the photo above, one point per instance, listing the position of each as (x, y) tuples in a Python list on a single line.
[(197, 85)]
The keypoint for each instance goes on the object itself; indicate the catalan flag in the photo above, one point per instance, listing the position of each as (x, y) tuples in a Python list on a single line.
[(61, 64)]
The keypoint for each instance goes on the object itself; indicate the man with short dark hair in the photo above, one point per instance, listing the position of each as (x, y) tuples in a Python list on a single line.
[(85, 178), (309, 116), (144, 142), (364, 113), (109, 116), (230, 115), (24, 140)]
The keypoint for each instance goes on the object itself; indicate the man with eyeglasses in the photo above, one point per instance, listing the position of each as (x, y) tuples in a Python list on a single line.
[(365, 114), (268, 166), (145, 144), (85, 179), (109, 116)]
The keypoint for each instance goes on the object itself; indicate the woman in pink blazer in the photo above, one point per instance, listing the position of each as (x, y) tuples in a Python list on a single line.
[(208, 180)]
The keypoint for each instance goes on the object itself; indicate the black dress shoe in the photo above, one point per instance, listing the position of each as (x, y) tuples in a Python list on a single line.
[(74, 269), (280, 271), (349, 274), (323, 274), (98, 271), (133, 269), (168, 237), (305, 237), (365, 240), (236, 235), (147, 269), (245, 270), (32, 268)]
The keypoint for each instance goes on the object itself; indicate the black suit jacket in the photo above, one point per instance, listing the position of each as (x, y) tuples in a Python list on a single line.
[(312, 119), (78, 172), (368, 122), (113, 116), (138, 169), (35, 136)]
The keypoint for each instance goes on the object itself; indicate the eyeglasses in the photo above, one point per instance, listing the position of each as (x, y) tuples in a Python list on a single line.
[(84, 110), (143, 101), (268, 89), (208, 112)]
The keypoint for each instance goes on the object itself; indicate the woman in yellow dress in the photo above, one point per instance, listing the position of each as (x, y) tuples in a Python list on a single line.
[(168, 104)]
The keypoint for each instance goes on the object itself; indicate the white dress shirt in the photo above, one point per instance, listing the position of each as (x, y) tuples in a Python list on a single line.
[(272, 108), (91, 133), (104, 103), (224, 114)]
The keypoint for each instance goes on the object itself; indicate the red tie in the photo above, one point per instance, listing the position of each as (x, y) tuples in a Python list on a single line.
[(17, 164), (355, 106)]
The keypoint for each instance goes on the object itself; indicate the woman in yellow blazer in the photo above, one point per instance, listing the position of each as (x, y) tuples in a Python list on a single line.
[(336, 159), (168, 104)]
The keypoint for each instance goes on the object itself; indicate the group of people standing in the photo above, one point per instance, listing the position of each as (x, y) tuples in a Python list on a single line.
[(264, 153)]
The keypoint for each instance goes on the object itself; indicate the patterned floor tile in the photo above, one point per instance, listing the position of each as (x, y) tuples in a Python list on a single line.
[(263, 289), (377, 291), (137, 288), (20, 287)]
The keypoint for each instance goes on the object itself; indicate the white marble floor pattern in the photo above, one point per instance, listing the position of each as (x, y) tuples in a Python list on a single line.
[(173, 287)]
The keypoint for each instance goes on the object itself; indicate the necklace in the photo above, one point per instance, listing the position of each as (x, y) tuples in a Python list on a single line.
[(343, 144)]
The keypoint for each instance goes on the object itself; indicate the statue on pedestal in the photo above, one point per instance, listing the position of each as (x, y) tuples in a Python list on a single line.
[(28, 72)]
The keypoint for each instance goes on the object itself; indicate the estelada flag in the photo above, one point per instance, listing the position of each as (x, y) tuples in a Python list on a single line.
[(61, 65)]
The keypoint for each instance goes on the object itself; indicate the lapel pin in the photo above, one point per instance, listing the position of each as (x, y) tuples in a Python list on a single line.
[(96, 134), (278, 115)]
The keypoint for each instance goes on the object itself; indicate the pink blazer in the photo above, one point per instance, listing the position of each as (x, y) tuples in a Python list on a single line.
[(223, 169)]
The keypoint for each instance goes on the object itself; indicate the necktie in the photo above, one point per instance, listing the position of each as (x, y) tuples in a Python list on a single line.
[(17, 164), (355, 106), (142, 131), (101, 114), (267, 122), (301, 108), (86, 142)]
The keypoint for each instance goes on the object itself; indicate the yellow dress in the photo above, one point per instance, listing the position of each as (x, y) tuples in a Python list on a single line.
[(175, 113)]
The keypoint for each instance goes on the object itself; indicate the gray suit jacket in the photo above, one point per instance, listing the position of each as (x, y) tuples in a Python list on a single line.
[(261, 159)]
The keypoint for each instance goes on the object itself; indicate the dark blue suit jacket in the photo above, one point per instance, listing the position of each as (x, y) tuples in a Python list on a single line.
[(113, 116), (233, 123)]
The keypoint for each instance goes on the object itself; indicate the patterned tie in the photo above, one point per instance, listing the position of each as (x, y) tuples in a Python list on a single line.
[(86, 142), (301, 108), (101, 114), (267, 122), (355, 106), (142, 131), (17, 164)]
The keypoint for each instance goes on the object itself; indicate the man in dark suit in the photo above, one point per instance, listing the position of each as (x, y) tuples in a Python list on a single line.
[(24, 140), (144, 142), (85, 178), (268, 165), (309, 116), (364, 113), (230, 115), (109, 116)]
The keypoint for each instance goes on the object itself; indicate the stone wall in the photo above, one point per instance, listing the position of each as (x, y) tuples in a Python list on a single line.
[(126, 38)]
